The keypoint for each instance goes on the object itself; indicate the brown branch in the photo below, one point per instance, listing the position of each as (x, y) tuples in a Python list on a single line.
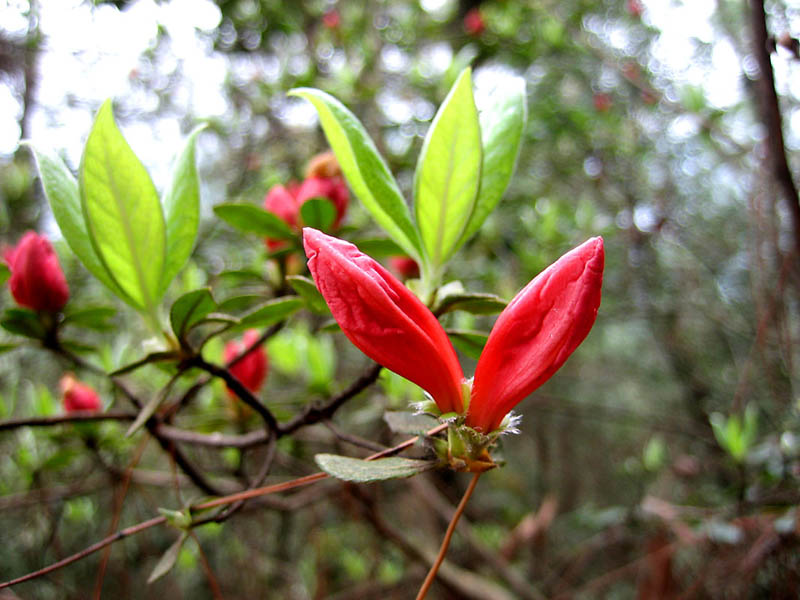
[(73, 417)]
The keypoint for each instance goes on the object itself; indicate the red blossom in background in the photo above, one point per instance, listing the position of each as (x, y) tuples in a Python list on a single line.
[(37, 281), (252, 369), (404, 267), (531, 339), (473, 22), (331, 19), (77, 396), (602, 102)]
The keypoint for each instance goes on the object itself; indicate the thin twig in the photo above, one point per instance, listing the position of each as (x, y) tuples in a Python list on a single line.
[(73, 417), (423, 591)]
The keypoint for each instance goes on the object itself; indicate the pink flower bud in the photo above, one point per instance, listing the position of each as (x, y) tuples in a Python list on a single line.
[(77, 396), (602, 102), (282, 202), (37, 280), (473, 22), (404, 266), (331, 19), (252, 369), (332, 188), (384, 319), (536, 333)]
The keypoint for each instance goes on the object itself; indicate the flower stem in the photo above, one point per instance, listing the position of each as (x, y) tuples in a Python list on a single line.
[(447, 536)]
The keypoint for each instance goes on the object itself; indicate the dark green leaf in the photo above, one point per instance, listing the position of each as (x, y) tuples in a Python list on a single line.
[(502, 122), (238, 304), (181, 205), (379, 248), (271, 312), (409, 423), (123, 213), (448, 172), (168, 559), (190, 308), (62, 192), (92, 318), (8, 348), (365, 471), (250, 218), (477, 304), (5, 273), (153, 357), (365, 169), (307, 290), (470, 343), (319, 213), (23, 322)]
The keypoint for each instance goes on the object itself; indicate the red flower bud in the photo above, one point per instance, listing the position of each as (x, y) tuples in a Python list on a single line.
[(602, 102), (536, 333), (77, 396), (37, 280), (282, 202), (252, 369), (404, 266), (473, 22), (331, 19), (384, 319), (332, 188)]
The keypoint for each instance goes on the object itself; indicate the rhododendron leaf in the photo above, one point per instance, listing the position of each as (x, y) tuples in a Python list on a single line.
[(189, 309), (22, 322), (5, 273), (319, 213), (92, 318), (153, 357), (149, 409), (502, 122), (8, 348), (409, 423), (448, 173), (270, 313), (307, 289), (379, 248), (181, 203), (250, 218), (61, 190), (470, 343), (238, 304), (122, 212), (365, 471), (365, 169), (168, 559), (477, 304)]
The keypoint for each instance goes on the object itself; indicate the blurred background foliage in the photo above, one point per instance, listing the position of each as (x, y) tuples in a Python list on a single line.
[(662, 459)]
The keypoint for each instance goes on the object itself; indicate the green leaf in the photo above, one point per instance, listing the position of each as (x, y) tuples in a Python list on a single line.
[(250, 218), (189, 309), (8, 348), (181, 205), (470, 343), (122, 212), (379, 248), (448, 172), (409, 423), (365, 471), (270, 313), (502, 123), (5, 273), (365, 169), (477, 304), (153, 357), (307, 290), (64, 197), (238, 304), (319, 213), (149, 409), (92, 318), (22, 321), (168, 559)]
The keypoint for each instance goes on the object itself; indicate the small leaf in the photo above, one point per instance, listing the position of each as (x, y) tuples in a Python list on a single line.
[(470, 343), (151, 358), (168, 559), (238, 304), (123, 213), (474, 303), (365, 471), (149, 409), (189, 309), (379, 248), (270, 313), (5, 273), (64, 197), (365, 169), (307, 290), (181, 203), (448, 172), (23, 322), (92, 318), (250, 218), (502, 123), (409, 423), (319, 213)]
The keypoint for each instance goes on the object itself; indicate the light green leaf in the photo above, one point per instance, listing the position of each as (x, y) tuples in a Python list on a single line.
[(409, 423), (62, 192), (149, 409), (95, 317), (365, 471), (181, 204), (250, 218), (502, 122), (319, 213), (168, 559), (5, 273), (307, 290), (189, 309), (270, 313), (448, 173), (122, 212), (379, 248), (365, 169), (470, 343)]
